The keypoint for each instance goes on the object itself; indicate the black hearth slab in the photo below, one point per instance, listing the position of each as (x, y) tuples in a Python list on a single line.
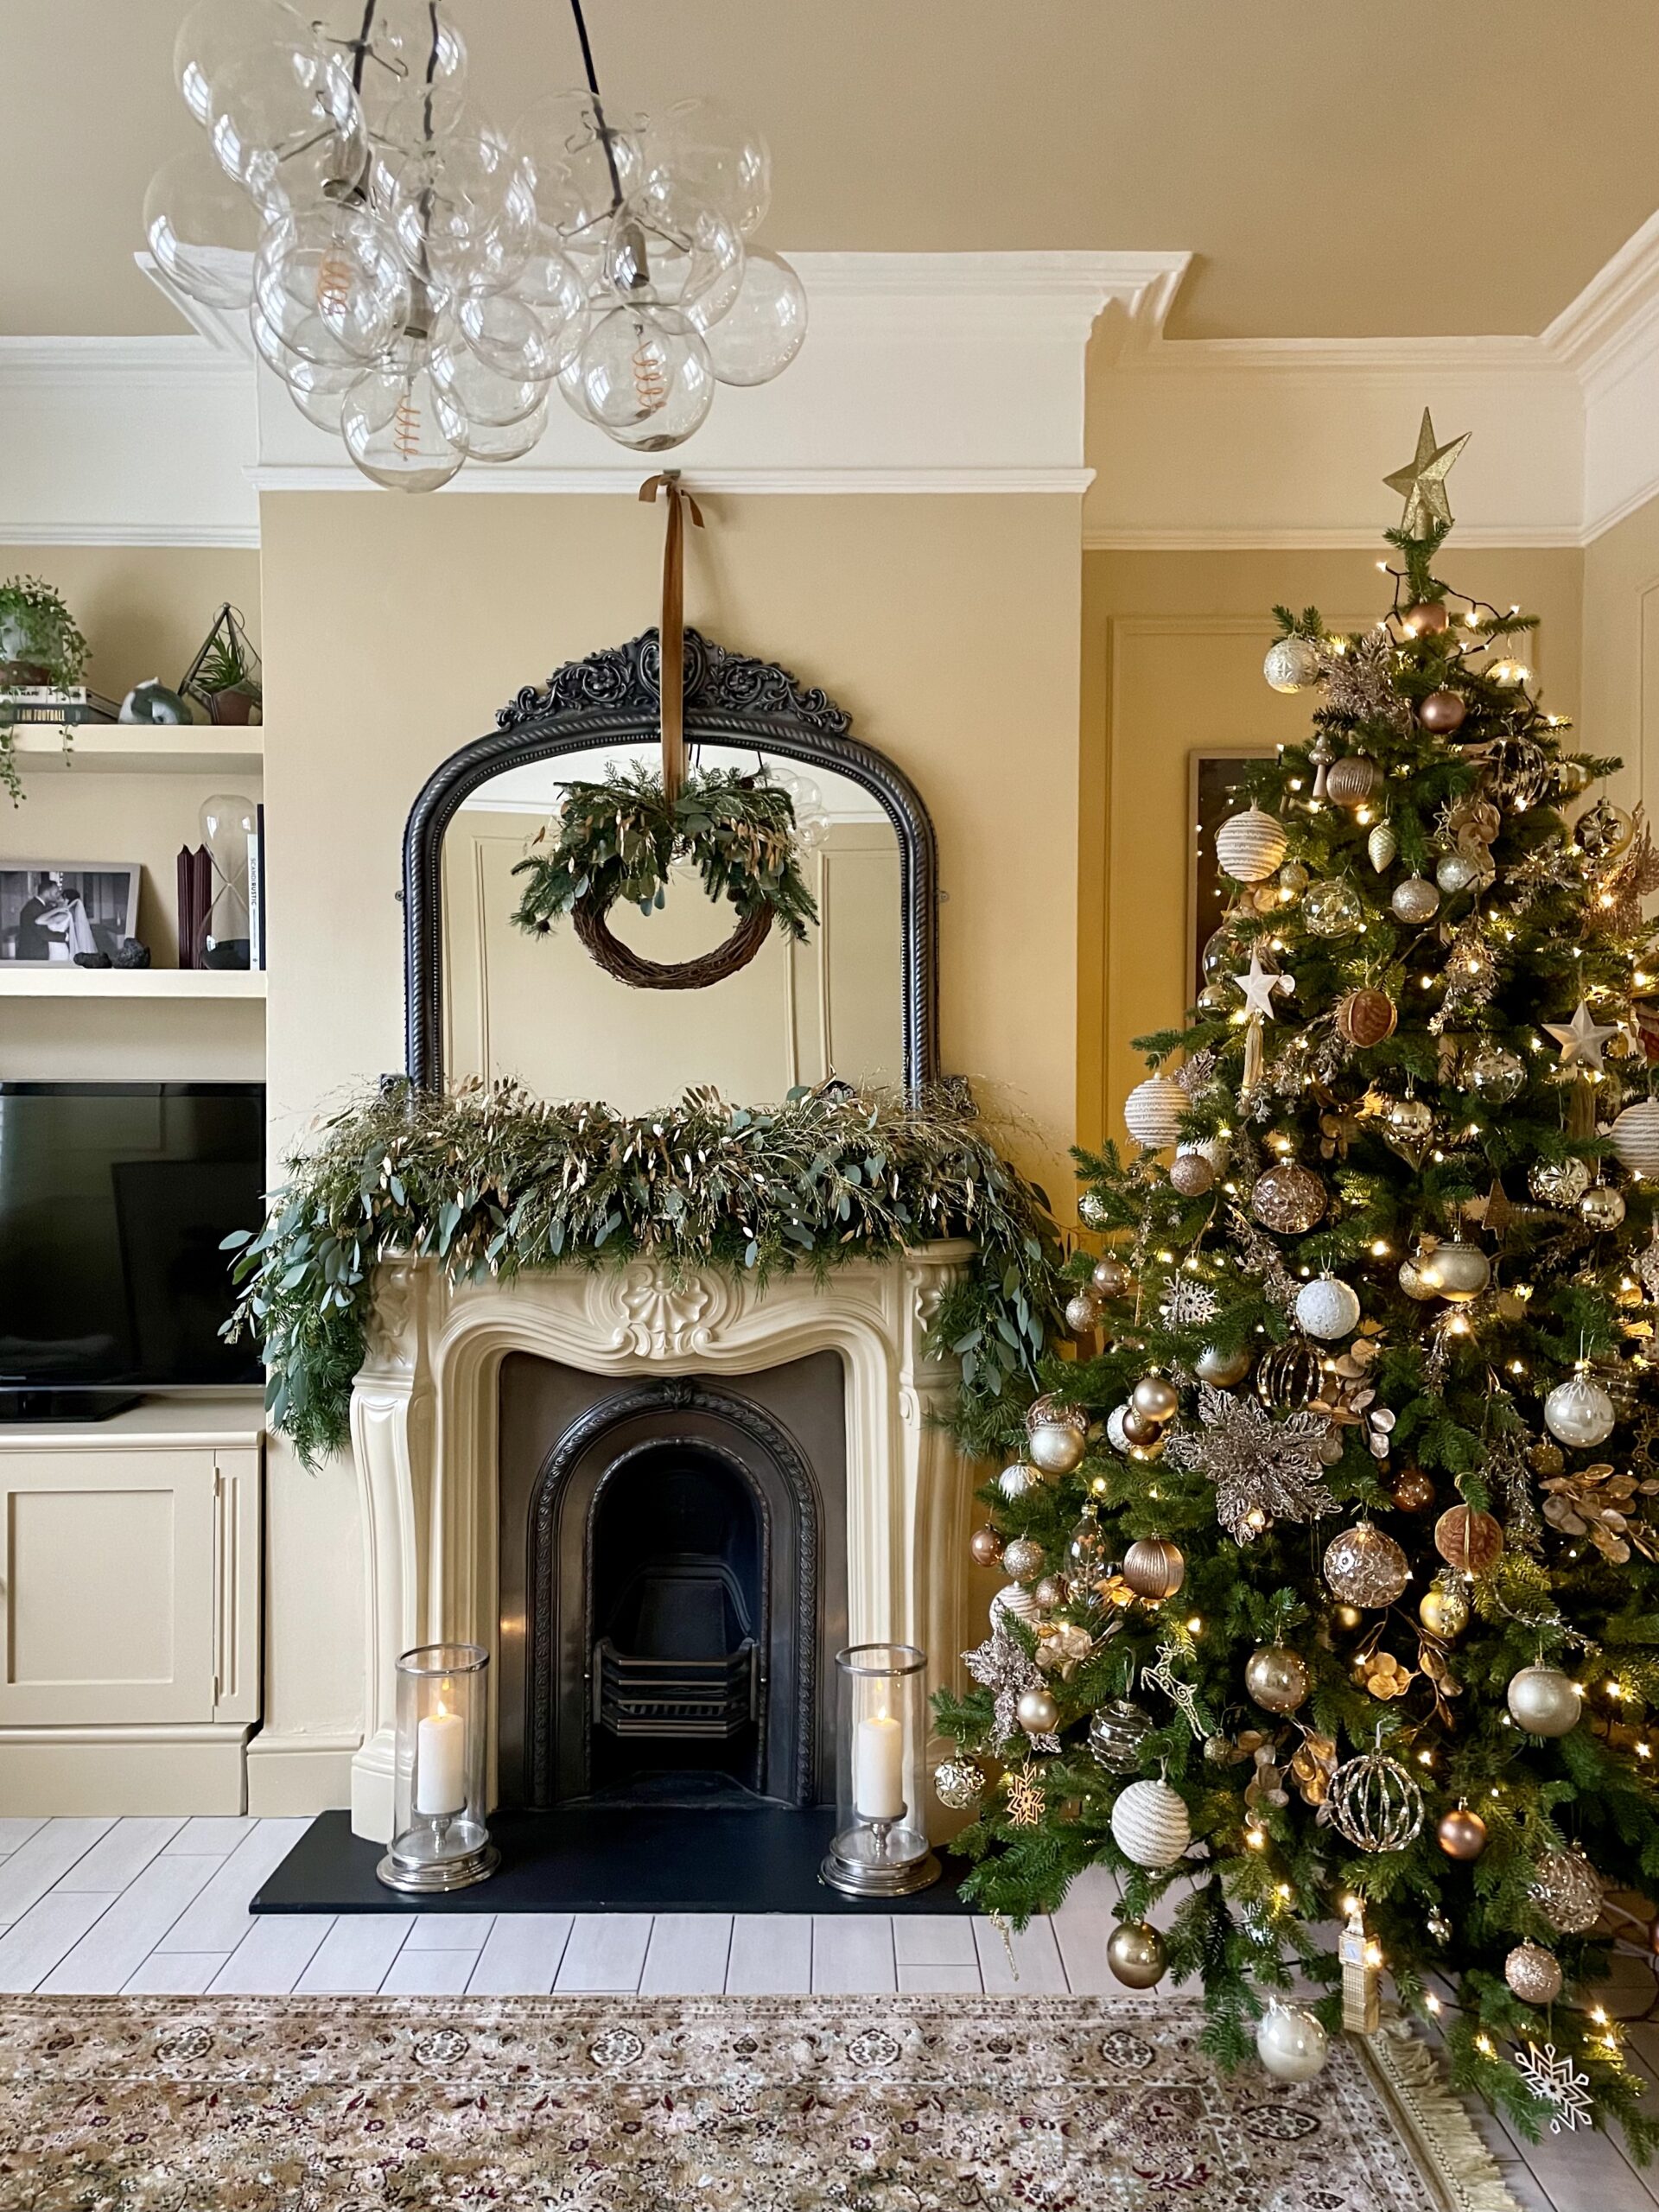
[(637, 1860)]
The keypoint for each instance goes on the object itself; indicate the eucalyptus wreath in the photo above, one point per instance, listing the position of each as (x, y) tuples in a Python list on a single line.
[(619, 839), (489, 1182)]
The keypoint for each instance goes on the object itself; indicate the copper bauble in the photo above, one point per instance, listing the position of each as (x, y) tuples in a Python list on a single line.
[(1461, 1834), (1138, 1427), (985, 1547), (1425, 618), (1442, 712), (1288, 1198), (1191, 1174), (1364, 1017), (1468, 1540), (1111, 1278), (1054, 1590), (1153, 1568), (1135, 1951), (1277, 1678), (1414, 1490), (1352, 780)]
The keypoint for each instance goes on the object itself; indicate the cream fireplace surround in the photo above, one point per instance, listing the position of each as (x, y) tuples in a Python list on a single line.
[(424, 1421)]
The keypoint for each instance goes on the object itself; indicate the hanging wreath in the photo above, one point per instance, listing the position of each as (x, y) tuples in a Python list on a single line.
[(619, 839)]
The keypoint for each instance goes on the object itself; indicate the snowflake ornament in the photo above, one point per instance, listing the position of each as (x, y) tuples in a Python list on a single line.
[(1264, 1469), (1560, 2083), (1188, 1305)]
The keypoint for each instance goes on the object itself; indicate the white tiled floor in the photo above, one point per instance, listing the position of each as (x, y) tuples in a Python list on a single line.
[(160, 1907)]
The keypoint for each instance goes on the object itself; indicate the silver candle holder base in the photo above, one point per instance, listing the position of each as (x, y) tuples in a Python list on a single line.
[(437, 1876), (875, 1875)]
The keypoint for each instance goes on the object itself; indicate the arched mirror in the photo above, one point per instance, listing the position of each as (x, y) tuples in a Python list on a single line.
[(854, 999)]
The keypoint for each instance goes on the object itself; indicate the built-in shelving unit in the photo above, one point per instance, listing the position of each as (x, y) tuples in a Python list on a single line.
[(59, 980), (140, 749)]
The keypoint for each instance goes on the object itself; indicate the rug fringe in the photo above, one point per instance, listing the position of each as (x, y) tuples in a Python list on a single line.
[(1437, 2116)]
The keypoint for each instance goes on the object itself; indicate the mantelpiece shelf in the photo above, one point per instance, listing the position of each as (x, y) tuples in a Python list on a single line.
[(129, 748), (54, 980)]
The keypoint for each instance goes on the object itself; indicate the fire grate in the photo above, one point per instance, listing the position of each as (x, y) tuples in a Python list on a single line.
[(676, 1697)]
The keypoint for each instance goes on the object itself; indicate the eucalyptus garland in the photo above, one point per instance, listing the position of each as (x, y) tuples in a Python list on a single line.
[(619, 839), (490, 1180)]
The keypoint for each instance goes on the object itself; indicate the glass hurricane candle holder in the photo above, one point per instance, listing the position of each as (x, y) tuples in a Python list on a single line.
[(440, 1839), (880, 1846)]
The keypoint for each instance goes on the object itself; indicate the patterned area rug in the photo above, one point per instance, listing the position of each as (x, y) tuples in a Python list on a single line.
[(735, 2105)]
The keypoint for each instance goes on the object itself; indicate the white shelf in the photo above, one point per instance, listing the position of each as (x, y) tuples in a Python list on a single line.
[(57, 980), (140, 749)]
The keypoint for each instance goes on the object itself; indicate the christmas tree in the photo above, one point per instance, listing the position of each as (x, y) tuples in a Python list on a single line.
[(1332, 1588)]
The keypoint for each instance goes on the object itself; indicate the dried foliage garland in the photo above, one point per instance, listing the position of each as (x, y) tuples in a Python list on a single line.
[(618, 839), (491, 1181)]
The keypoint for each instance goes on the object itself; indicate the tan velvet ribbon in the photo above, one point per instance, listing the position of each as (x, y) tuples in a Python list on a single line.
[(671, 632)]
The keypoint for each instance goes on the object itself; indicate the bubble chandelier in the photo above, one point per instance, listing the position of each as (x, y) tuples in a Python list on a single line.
[(422, 281)]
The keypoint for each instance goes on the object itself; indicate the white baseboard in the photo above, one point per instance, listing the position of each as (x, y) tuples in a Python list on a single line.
[(298, 1773), (123, 1770)]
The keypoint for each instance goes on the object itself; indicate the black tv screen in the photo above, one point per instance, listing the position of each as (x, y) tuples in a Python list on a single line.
[(115, 1200)]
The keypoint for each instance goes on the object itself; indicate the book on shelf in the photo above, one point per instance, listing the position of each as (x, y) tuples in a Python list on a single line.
[(257, 891)]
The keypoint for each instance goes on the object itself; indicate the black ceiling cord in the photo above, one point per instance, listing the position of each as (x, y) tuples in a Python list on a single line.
[(599, 105)]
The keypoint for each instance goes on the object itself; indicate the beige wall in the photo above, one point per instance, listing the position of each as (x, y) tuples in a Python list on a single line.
[(1173, 646), (1621, 651), (144, 608), (393, 630)]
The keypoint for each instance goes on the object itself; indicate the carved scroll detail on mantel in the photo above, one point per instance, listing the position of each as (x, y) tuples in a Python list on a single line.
[(424, 1435)]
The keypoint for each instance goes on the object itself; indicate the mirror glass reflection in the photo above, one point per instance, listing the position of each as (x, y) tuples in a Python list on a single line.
[(537, 1008)]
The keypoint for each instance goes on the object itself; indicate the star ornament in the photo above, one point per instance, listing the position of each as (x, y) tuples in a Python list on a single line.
[(1258, 986), (1422, 483), (1583, 1039)]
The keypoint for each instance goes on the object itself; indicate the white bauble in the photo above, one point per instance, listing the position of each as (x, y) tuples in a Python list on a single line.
[(1250, 846), (1543, 1702), (1115, 1435), (1011, 1598), (1152, 1111), (1015, 1481), (1151, 1824), (1455, 872), (1578, 1412), (1635, 1137), (1290, 2042), (1326, 1307), (1292, 663)]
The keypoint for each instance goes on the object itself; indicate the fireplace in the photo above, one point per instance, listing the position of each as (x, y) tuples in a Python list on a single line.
[(672, 1579), (657, 1495)]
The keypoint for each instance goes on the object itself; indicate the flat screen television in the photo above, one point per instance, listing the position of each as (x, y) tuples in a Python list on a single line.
[(115, 1200)]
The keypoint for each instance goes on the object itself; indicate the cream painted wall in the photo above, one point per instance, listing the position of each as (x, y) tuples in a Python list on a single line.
[(144, 608), (1621, 651), (948, 627), (1173, 646)]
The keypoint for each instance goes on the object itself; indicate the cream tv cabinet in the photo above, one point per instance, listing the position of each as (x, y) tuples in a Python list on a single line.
[(130, 1603)]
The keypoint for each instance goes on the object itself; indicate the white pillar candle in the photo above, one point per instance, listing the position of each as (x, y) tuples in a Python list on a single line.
[(879, 1768), (440, 1763)]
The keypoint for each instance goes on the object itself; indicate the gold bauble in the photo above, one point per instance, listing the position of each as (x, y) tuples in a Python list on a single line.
[(1156, 1398), (1191, 1174), (1364, 1566), (1277, 1678), (1414, 1490), (1135, 1951), (1223, 1368), (1154, 1569), (1457, 1272), (1288, 1375), (1289, 1198), (1351, 780), (1443, 1611), (1534, 1973), (1111, 1278), (1037, 1712), (1022, 1559)]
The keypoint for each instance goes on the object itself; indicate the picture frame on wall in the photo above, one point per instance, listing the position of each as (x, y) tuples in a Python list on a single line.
[(1212, 779), (51, 910)]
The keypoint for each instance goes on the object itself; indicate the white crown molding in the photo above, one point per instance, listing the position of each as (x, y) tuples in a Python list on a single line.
[(624, 482)]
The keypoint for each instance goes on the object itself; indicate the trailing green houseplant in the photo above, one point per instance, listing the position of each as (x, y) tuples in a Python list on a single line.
[(41, 645), (490, 1181)]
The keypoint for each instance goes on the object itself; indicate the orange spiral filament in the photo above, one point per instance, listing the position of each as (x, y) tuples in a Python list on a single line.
[(406, 428), (650, 377), (334, 285)]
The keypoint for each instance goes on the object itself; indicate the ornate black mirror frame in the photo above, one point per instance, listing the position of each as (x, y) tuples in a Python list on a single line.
[(613, 695)]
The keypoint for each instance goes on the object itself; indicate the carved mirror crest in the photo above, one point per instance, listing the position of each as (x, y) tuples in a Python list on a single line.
[(858, 1000)]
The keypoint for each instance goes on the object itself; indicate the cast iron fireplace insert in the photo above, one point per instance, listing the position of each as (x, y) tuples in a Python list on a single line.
[(672, 1565)]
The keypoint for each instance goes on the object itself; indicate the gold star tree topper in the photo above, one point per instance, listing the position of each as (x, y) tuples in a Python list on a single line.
[(1422, 483)]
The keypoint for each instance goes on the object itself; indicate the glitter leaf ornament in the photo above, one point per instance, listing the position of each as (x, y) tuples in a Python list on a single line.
[(1264, 1469)]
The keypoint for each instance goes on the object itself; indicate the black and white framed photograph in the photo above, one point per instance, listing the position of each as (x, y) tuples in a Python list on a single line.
[(53, 911)]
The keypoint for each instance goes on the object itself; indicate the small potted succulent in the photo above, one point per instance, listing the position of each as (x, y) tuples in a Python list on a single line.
[(224, 678), (40, 643)]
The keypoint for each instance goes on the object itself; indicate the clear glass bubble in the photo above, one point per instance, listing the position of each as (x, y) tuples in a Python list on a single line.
[(647, 385), (765, 327), (493, 444), (286, 124), (463, 212), (218, 33), (483, 394), (551, 283), (393, 432), (507, 335), (340, 264), (414, 77), (581, 166), (202, 230), (699, 155), (674, 267)]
